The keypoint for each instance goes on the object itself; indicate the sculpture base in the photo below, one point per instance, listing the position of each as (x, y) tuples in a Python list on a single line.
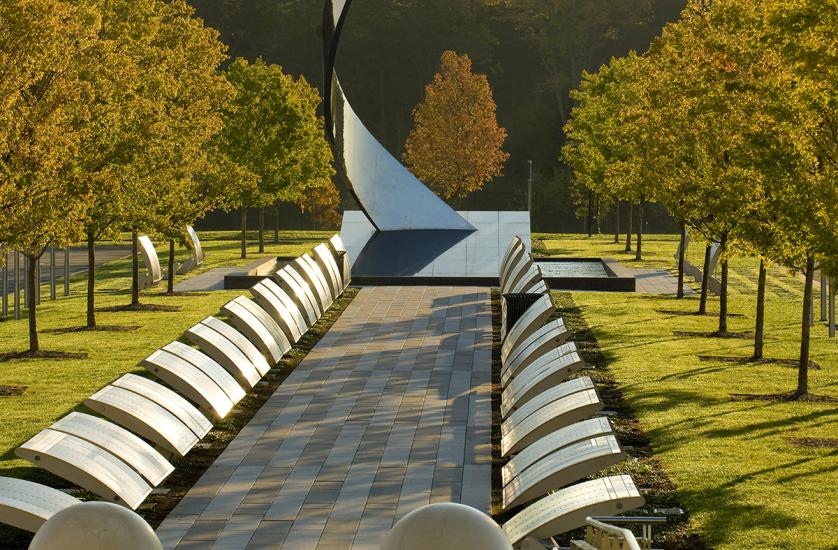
[(433, 254)]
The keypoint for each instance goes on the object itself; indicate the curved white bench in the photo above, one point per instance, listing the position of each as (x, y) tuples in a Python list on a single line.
[(86, 465), (323, 257), (254, 356), (513, 251), (224, 352), (543, 399), (284, 312), (529, 279), (295, 286), (27, 505), (259, 327), (550, 370), (516, 270), (558, 414), (154, 273), (533, 319), (144, 417), (312, 274), (121, 443), (552, 335), (176, 405), (562, 468), (340, 251), (567, 509), (540, 287), (214, 393), (196, 257), (209, 366), (561, 438), (286, 300)]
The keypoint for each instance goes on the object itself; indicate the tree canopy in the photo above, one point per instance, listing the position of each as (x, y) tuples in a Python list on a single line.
[(456, 145)]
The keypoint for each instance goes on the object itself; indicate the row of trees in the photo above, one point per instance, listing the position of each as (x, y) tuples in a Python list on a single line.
[(730, 122), (117, 116)]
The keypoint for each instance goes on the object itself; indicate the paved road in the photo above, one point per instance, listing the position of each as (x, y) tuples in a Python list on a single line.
[(78, 262), (390, 411)]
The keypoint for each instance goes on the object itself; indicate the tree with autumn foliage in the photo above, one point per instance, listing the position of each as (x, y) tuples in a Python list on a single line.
[(46, 51), (456, 145)]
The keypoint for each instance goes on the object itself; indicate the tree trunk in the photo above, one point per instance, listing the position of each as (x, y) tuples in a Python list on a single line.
[(682, 250), (723, 294), (91, 280), (590, 213), (135, 270), (630, 229), (170, 284), (705, 281), (759, 330), (243, 220), (276, 224), (616, 222), (639, 252), (261, 229), (803, 367), (31, 304)]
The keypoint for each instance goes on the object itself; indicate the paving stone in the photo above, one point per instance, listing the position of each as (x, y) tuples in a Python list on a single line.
[(389, 412)]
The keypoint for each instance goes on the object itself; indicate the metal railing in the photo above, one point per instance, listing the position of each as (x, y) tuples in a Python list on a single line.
[(14, 279)]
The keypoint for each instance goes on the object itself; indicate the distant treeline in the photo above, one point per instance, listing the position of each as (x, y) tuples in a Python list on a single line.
[(533, 52)]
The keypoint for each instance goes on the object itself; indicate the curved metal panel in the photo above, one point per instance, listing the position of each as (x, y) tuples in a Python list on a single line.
[(212, 392), (533, 319), (179, 407), (391, 197), (553, 335), (568, 509), (551, 443), (254, 356), (558, 414), (86, 465), (118, 441), (543, 399), (562, 468), (550, 370), (315, 282), (300, 293), (27, 505), (259, 327), (323, 257), (224, 352), (144, 417)]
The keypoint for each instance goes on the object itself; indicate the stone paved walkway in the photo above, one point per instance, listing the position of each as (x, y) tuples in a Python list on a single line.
[(390, 411)]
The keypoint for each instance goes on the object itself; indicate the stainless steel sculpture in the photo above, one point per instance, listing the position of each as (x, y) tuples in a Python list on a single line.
[(391, 197)]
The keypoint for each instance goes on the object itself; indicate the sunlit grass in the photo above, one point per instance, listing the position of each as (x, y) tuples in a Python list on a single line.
[(56, 387), (744, 482)]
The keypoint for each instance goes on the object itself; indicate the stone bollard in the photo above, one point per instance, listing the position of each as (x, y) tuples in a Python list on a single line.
[(446, 526), (95, 526)]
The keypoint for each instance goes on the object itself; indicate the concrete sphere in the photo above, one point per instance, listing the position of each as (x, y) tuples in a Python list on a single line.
[(95, 526), (446, 526)]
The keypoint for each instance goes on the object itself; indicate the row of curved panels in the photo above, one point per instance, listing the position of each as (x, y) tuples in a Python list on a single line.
[(548, 435), (122, 455)]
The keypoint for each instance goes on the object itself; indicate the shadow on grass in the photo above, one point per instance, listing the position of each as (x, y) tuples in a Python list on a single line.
[(57, 355), (794, 363), (139, 307), (97, 328)]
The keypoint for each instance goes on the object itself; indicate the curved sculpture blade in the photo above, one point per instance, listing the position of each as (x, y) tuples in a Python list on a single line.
[(391, 197)]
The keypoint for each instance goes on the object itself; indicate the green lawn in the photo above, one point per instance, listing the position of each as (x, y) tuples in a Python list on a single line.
[(745, 480), (56, 387)]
